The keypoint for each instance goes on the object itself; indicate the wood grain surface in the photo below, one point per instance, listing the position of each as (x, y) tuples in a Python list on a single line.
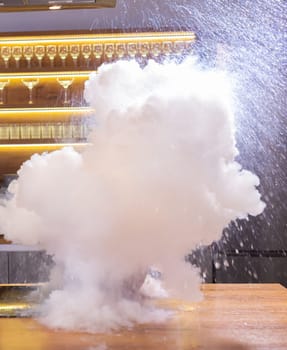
[(231, 316)]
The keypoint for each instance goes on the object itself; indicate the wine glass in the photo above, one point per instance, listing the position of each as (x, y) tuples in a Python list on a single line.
[(109, 51), (167, 48), (28, 54), (179, 47), (30, 83), (155, 49), (51, 53), (3, 84), (17, 53), (98, 51), (120, 50), (144, 49), (75, 52), (132, 49), (39, 53), (87, 51), (65, 83), (63, 53), (6, 53)]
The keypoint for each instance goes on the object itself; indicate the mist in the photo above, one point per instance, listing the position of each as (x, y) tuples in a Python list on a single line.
[(159, 177)]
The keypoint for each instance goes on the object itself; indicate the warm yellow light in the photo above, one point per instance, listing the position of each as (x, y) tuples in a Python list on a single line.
[(103, 38), (42, 145), (51, 110), (55, 7), (45, 75), (51, 115), (39, 284), (14, 307)]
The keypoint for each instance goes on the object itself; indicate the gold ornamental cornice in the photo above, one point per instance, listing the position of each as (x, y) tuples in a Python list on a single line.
[(78, 50)]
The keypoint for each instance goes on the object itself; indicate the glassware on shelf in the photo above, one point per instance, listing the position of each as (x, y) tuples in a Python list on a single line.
[(144, 49), (17, 53), (98, 50), (6, 54), (109, 51), (51, 53), (25, 131), (3, 84), (120, 50), (155, 49), (167, 48), (39, 53), (45, 131), (79, 131), (87, 51), (14, 131), (179, 47), (35, 132), (132, 49), (75, 53), (67, 131), (65, 83), (28, 54), (63, 51), (57, 131), (4, 132), (30, 83)]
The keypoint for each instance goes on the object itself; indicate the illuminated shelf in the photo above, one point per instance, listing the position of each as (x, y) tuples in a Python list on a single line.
[(47, 52), (42, 76), (48, 88), (41, 146), (50, 131), (31, 115), (12, 156), (105, 38), (46, 75)]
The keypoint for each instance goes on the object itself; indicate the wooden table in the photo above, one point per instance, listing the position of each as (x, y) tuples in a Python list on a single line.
[(232, 316)]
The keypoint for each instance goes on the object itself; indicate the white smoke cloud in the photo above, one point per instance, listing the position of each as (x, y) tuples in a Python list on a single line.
[(159, 177)]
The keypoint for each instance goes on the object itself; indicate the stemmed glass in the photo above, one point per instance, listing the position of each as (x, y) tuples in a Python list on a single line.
[(120, 50), (167, 48), (75, 52), (179, 47), (155, 49), (17, 53), (87, 51), (28, 54), (40, 53), (63, 53), (30, 83), (65, 83), (109, 51), (132, 50), (51, 53), (3, 84), (144, 49), (6, 53), (98, 51)]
